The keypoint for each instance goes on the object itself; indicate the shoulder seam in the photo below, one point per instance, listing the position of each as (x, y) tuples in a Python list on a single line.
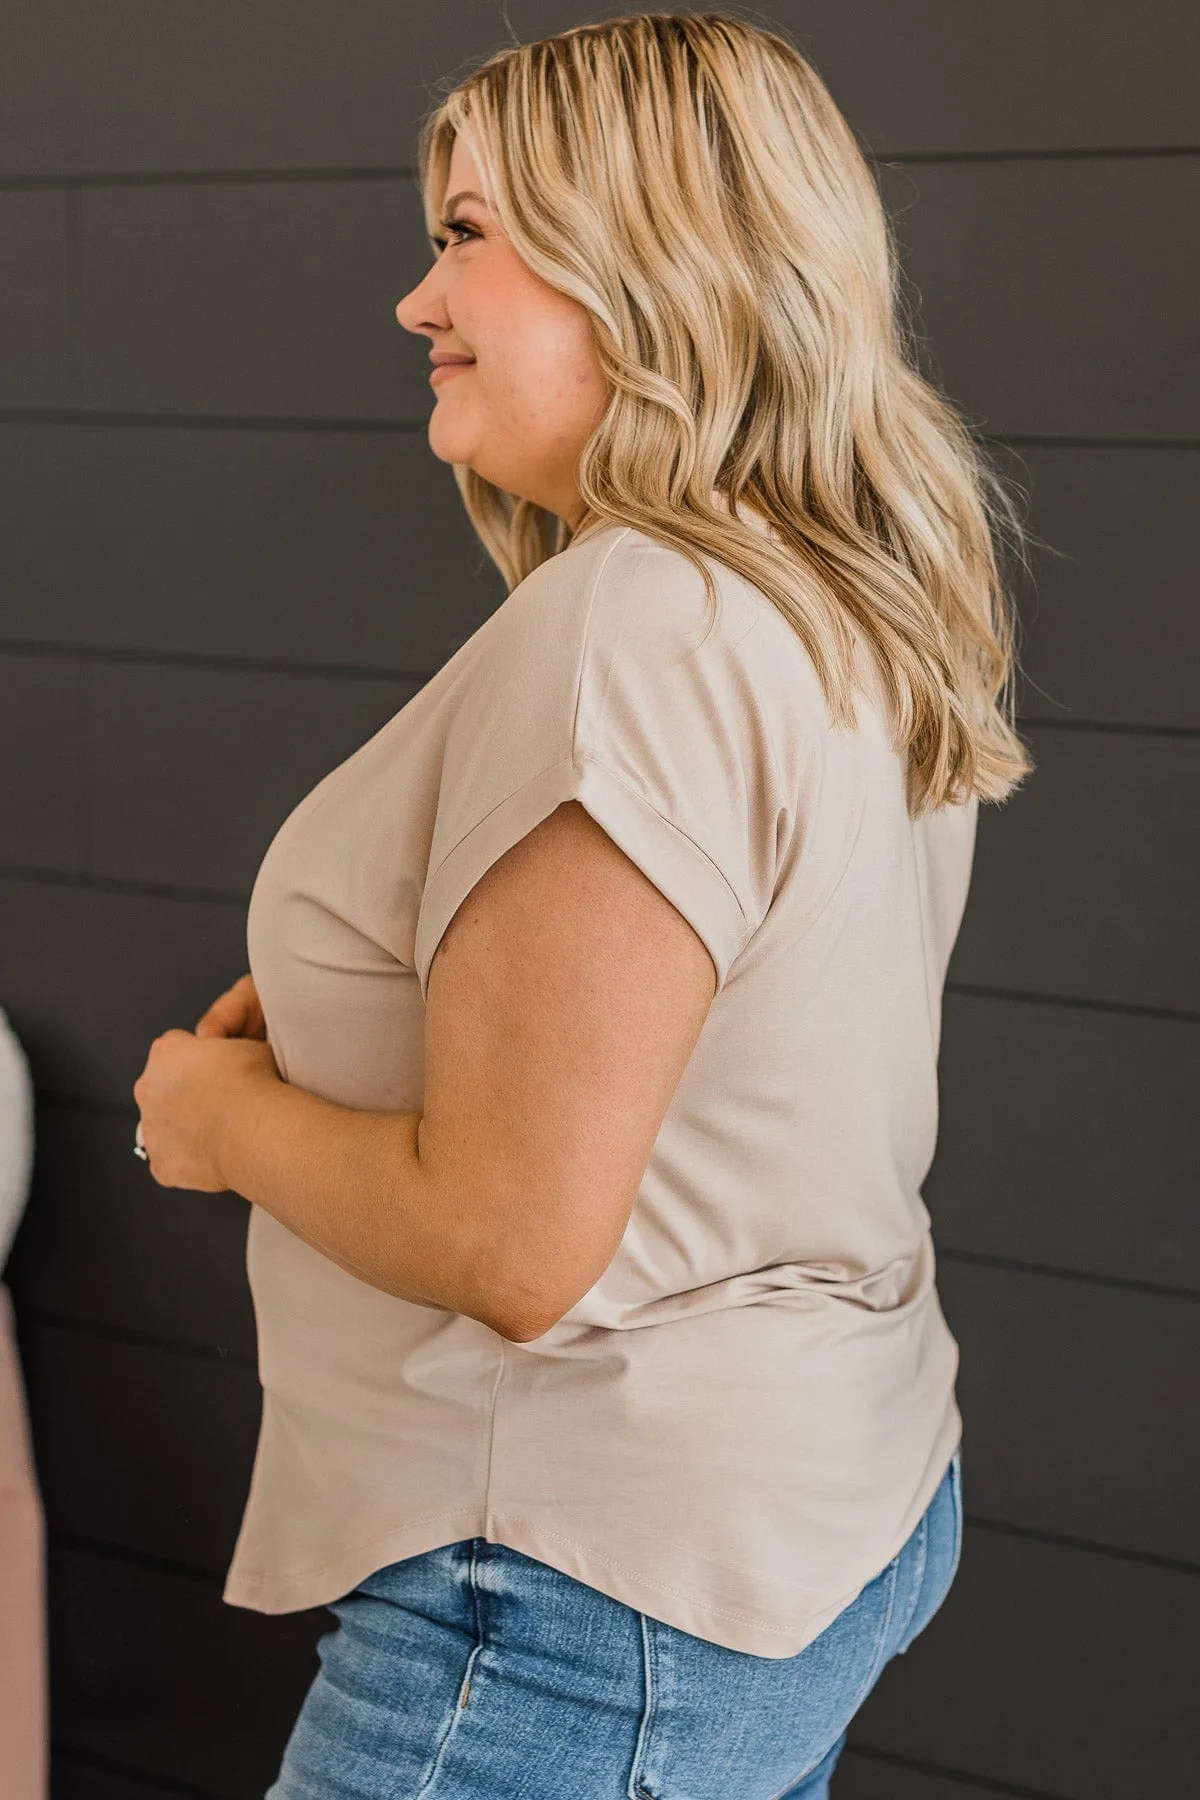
[(587, 629)]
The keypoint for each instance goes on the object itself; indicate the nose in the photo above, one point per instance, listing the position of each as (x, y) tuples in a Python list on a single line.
[(417, 310)]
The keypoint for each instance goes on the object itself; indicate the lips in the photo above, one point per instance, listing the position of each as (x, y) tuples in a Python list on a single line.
[(445, 369)]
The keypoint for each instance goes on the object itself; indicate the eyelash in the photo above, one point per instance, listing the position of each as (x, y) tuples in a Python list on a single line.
[(453, 225)]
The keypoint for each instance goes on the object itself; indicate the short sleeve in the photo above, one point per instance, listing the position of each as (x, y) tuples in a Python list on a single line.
[(607, 697)]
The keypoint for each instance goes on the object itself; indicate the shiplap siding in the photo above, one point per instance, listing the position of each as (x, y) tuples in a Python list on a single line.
[(228, 556)]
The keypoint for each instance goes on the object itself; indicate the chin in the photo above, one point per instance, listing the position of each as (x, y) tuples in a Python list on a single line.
[(448, 445)]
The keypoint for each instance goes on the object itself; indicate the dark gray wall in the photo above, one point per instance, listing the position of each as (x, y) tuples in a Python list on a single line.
[(228, 555)]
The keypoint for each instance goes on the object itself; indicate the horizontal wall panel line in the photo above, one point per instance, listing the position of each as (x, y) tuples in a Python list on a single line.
[(397, 172), (205, 177), (1175, 1015), (113, 884), (215, 1577), (142, 1340), (1062, 1541), (187, 659), (1127, 728), (47, 415), (121, 1553), (1064, 153), (920, 1767), (170, 421), (1022, 441), (1161, 1289), (154, 890), (105, 1765)]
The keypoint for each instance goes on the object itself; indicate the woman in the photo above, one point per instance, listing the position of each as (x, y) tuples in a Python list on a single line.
[(586, 1079)]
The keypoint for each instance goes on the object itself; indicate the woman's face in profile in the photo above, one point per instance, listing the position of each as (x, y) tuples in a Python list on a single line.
[(522, 410)]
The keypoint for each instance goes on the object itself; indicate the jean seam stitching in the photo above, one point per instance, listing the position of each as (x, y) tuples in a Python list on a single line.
[(956, 1489), (636, 1789), (426, 1786), (919, 1576), (877, 1663)]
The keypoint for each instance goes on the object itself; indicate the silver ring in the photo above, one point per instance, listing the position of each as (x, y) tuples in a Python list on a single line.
[(139, 1143)]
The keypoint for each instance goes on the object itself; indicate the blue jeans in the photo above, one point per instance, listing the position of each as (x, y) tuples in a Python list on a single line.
[(474, 1672)]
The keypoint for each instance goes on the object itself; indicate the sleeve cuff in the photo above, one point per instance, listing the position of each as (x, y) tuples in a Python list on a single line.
[(675, 864)]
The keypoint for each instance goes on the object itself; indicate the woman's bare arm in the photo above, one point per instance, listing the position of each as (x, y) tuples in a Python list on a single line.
[(562, 1006), (238, 1013)]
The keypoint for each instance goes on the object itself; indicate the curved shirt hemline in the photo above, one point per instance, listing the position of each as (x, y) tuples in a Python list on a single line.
[(284, 1592)]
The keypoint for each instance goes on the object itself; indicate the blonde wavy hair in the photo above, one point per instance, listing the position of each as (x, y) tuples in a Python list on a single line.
[(689, 180)]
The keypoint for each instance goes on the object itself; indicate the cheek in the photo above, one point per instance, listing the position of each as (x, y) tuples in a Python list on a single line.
[(525, 336), (549, 376)]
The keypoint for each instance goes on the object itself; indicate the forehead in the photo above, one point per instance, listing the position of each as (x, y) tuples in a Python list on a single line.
[(464, 171)]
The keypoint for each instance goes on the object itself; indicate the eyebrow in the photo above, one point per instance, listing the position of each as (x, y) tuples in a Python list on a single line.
[(466, 194)]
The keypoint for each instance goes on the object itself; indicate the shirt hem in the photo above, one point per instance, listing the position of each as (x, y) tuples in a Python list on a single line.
[(263, 1591)]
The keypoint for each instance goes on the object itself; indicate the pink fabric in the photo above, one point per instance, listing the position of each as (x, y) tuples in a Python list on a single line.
[(23, 1680)]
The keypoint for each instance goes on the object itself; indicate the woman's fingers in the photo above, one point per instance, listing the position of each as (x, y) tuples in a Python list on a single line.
[(253, 1024), (235, 1013), (223, 1018), (256, 1025)]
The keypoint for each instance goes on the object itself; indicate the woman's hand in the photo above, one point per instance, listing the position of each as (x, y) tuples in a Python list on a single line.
[(188, 1091), (236, 1013)]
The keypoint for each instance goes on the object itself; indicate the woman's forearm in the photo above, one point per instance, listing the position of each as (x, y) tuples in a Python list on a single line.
[(351, 1185)]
